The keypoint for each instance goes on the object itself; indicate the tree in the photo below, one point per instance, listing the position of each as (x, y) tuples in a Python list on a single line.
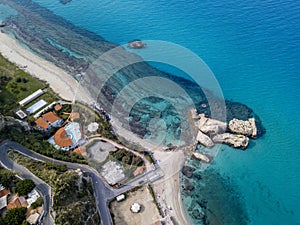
[(6, 177), (25, 186), (15, 216)]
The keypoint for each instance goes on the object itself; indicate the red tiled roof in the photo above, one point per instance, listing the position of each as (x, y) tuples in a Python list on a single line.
[(14, 204), (41, 123), (80, 151), (4, 192), (61, 139), (51, 117), (57, 107)]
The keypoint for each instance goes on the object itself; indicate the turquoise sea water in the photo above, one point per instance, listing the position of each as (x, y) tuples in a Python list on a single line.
[(254, 51)]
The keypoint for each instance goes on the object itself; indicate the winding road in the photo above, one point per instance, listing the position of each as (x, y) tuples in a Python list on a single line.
[(103, 193)]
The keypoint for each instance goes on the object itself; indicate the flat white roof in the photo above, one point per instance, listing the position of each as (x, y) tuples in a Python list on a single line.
[(31, 97), (35, 107)]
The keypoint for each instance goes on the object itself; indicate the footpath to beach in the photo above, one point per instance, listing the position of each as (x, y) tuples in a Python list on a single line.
[(167, 190)]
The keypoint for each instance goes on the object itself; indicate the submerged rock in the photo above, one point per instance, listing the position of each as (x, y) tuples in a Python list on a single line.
[(188, 171)]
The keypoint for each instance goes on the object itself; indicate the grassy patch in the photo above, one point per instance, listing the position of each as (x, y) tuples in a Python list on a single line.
[(73, 195)]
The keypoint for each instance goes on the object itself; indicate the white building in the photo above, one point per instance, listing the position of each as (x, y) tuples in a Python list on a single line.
[(135, 207), (31, 97), (120, 197)]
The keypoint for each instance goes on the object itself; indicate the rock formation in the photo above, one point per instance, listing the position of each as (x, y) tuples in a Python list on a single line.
[(211, 131), (210, 126), (244, 127), (234, 140), (204, 140), (201, 157)]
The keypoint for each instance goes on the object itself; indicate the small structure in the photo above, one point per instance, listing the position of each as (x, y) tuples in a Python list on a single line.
[(33, 218), (81, 150), (112, 172), (35, 107), (135, 208), (21, 114), (57, 107), (67, 137), (120, 197), (31, 97), (32, 197), (93, 127)]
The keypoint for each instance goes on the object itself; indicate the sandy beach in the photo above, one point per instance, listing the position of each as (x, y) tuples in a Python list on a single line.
[(167, 190), (60, 81)]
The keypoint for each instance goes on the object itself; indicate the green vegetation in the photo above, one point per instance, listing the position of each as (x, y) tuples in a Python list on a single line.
[(88, 116), (15, 85), (73, 196), (39, 202), (25, 186), (37, 142), (7, 178), (15, 216), (126, 157)]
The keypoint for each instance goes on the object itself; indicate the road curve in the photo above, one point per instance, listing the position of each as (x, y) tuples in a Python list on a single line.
[(41, 186), (102, 191)]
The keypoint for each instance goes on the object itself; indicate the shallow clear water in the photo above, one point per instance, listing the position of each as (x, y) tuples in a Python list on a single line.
[(253, 49)]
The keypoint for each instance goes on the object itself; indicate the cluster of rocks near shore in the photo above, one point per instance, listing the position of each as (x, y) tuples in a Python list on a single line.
[(236, 133)]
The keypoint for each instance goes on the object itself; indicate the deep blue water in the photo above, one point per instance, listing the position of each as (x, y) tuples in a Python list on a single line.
[(254, 51)]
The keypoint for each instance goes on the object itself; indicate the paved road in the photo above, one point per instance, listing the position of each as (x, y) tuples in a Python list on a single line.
[(149, 166), (103, 192), (41, 186)]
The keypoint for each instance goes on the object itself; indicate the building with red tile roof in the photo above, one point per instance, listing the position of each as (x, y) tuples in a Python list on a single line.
[(48, 120), (42, 124), (51, 117), (61, 138), (67, 137)]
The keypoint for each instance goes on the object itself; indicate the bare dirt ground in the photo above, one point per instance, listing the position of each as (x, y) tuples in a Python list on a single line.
[(148, 215)]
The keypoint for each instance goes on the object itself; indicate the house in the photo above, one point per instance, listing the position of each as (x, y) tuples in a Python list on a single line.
[(3, 197), (17, 203), (33, 218), (67, 137), (52, 119), (48, 120), (32, 197), (42, 124)]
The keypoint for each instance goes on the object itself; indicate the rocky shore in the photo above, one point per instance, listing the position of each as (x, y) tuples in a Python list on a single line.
[(235, 133)]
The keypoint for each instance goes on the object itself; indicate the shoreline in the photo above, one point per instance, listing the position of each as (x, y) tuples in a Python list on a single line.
[(67, 88), (59, 80)]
